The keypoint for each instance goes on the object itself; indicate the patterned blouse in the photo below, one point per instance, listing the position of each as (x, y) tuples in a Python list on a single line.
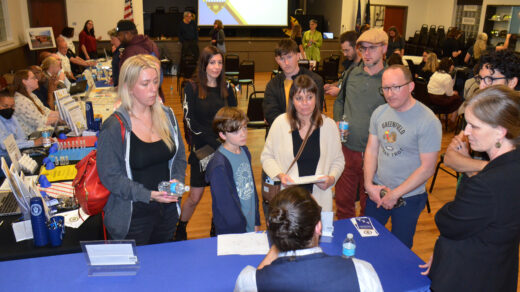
[(27, 113)]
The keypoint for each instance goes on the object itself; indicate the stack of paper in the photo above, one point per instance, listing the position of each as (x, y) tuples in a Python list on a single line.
[(70, 111), (364, 226)]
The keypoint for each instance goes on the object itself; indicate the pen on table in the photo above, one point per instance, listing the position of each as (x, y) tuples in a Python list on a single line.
[(1, 222)]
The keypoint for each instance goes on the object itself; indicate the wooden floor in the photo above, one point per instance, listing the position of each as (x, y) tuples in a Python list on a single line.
[(199, 225)]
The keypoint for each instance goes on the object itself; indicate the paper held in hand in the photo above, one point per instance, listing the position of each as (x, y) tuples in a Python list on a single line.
[(309, 179)]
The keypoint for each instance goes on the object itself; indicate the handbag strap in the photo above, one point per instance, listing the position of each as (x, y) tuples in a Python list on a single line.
[(122, 127), (301, 149)]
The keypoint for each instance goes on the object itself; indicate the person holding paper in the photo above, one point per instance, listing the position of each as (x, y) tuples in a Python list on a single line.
[(295, 262), (9, 125), (28, 109), (403, 145), (477, 249), (150, 151), (304, 124)]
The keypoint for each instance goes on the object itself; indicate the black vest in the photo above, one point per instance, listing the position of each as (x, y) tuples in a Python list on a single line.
[(314, 272)]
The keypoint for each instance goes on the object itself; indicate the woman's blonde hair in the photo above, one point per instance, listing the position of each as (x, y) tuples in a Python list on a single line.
[(48, 62), (128, 78), (480, 45), (431, 63)]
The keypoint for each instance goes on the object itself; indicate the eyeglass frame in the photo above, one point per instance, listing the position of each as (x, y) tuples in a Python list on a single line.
[(479, 78), (371, 49), (394, 89)]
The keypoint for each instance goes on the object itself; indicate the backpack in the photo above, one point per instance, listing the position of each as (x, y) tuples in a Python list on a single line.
[(88, 189)]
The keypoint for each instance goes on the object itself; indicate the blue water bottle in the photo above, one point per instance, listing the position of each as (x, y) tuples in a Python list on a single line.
[(38, 222), (89, 113)]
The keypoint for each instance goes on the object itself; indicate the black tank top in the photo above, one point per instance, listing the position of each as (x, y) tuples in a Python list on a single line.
[(149, 162)]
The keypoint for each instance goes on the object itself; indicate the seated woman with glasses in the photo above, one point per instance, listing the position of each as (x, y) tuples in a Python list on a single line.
[(295, 261), (440, 88)]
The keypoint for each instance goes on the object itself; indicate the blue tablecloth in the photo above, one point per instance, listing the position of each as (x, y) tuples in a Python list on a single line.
[(194, 266)]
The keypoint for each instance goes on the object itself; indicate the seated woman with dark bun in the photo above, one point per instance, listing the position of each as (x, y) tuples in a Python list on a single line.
[(295, 261)]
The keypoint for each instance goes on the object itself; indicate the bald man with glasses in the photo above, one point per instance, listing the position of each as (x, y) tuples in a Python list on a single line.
[(358, 97), (401, 153)]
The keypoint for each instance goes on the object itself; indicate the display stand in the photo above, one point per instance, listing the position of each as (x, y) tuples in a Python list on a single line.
[(111, 257)]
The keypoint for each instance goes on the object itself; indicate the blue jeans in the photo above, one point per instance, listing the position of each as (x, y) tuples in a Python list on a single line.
[(404, 219)]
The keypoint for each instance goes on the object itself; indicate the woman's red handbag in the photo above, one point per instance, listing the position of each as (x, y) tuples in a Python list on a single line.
[(88, 189)]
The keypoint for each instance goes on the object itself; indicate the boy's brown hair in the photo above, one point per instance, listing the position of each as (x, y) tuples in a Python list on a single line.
[(229, 119)]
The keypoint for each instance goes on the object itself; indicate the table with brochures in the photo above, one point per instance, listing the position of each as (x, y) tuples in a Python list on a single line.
[(193, 265)]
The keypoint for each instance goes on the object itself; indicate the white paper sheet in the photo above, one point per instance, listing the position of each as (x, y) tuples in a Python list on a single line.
[(326, 222), (242, 244), (74, 218), (12, 150), (111, 254), (309, 179), (22, 230)]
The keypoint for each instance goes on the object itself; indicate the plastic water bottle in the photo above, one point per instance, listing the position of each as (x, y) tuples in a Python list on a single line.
[(176, 189), (46, 135), (349, 246), (343, 129)]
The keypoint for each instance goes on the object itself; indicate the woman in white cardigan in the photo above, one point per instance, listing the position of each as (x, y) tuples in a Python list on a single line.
[(322, 153)]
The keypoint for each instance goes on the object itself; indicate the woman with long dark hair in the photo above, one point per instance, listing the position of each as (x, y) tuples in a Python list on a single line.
[(88, 41), (29, 110), (395, 42), (205, 94)]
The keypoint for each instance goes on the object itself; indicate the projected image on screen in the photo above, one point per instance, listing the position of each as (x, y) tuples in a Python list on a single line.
[(243, 12)]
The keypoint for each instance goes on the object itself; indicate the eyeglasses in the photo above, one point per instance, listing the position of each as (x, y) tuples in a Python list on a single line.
[(488, 80), (371, 49), (394, 89)]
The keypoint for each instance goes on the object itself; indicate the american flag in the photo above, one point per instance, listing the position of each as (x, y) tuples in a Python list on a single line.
[(129, 13)]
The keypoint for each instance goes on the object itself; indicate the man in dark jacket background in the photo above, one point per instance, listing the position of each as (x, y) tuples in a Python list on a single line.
[(134, 43), (277, 90)]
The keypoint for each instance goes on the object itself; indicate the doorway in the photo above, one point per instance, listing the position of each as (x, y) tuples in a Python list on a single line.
[(43, 13), (387, 16)]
